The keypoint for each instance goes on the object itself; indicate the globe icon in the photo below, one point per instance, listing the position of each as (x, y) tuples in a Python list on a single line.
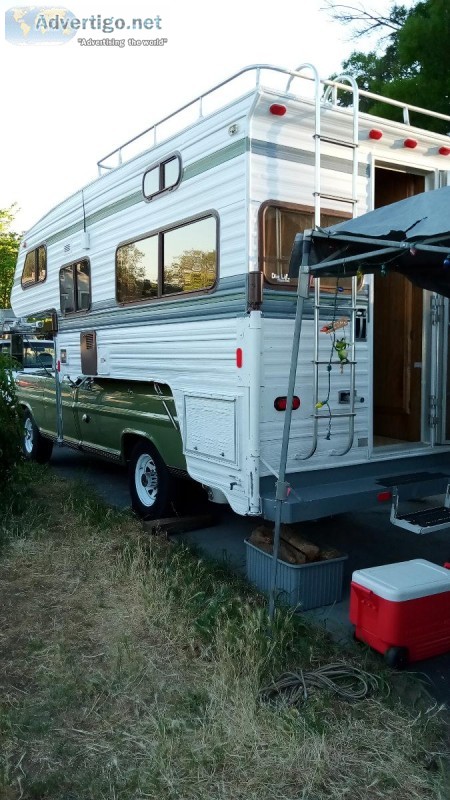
[(35, 25)]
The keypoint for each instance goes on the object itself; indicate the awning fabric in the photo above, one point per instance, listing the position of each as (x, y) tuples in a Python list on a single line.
[(411, 237)]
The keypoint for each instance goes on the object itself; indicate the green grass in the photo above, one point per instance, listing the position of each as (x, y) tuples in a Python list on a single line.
[(131, 668)]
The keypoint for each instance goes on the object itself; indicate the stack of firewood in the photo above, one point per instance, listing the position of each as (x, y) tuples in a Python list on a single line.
[(294, 549)]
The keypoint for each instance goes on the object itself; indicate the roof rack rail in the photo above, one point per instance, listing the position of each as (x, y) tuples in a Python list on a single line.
[(331, 96)]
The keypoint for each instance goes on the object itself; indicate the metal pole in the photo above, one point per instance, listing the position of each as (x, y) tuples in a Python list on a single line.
[(283, 487)]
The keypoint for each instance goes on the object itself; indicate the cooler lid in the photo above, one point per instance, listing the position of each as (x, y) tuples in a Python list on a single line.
[(405, 580)]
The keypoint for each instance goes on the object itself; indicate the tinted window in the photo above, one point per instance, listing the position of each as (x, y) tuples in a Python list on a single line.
[(67, 290), (183, 259), (190, 257), (38, 354), (151, 182), (35, 267), (280, 225), (75, 287), (162, 177), (137, 270)]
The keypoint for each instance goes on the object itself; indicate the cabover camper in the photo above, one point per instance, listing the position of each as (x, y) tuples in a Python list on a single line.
[(168, 280)]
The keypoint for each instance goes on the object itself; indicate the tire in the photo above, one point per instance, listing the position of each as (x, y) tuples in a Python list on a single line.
[(34, 446), (150, 483), (396, 657)]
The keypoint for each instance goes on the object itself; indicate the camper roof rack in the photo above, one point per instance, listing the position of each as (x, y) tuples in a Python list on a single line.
[(197, 106)]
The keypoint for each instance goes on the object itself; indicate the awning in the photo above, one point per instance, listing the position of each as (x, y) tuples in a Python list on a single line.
[(411, 237)]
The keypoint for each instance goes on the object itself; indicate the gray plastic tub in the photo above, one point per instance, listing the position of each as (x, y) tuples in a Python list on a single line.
[(305, 585)]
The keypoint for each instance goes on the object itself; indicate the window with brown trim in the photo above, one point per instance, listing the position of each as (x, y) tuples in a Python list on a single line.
[(162, 177), (280, 224), (75, 287), (35, 267), (174, 261)]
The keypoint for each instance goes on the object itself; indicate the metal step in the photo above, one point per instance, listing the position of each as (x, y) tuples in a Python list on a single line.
[(339, 142), (337, 197), (428, 520)]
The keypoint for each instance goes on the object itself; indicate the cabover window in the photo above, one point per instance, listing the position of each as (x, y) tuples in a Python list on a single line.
[(75, 287), (279, 225), (35, 267), (182, 259), (162, 177)]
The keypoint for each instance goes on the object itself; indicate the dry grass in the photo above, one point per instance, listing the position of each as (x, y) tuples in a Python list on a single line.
[(130, 669)]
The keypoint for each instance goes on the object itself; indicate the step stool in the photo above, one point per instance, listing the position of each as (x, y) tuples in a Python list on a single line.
[(427, 520)]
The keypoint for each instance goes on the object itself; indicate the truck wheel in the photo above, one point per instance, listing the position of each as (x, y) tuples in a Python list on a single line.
[(34, 446), (150, 481), (396, 657)]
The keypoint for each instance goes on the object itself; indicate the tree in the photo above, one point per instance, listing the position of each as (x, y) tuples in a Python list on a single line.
[(414, 62), (191, 271), (10, 431), (9, 247)]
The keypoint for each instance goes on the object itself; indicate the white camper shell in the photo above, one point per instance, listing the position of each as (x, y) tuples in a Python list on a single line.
[(172, 266)]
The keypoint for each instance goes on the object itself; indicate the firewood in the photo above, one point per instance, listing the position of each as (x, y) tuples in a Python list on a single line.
[(327, 555), (310, 550), (262, 537), (261, 534)]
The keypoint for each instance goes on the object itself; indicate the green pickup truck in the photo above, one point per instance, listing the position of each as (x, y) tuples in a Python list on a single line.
[(131, 423)]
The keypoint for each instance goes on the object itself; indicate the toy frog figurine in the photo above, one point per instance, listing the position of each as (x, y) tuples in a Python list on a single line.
[(341, 348)]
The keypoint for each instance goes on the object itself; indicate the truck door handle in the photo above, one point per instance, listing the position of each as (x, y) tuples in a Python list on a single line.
[(86, 418)]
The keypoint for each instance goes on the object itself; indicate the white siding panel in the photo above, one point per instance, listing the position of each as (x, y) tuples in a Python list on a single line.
[(277, 338)]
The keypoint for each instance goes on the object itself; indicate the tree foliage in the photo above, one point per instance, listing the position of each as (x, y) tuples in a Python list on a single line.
[(10, 431), (9, 247), (413, 62)]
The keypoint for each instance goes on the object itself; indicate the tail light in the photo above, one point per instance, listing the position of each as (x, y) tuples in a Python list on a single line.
[(384, 497), (280, 403)]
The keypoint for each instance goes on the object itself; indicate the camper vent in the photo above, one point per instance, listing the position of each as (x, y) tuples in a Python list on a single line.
[(66, 248), (88, 346)]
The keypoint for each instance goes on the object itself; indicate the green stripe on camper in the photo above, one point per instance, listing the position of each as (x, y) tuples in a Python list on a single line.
[(197, 168), (215, 159), (233, 150)]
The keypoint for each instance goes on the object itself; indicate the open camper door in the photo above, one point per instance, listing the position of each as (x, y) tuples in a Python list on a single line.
[(407, 245)]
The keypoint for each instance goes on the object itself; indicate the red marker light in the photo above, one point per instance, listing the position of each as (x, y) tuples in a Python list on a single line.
[(444, 151), (277, 109), (58, 366), (280, 403), (239, 357), (411, 143), (375, 134), (384, 497)]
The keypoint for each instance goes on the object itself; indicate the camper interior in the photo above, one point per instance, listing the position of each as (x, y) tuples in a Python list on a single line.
[(398, 336)]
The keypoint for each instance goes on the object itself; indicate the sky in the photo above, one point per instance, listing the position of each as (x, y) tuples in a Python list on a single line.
[(64, 106)]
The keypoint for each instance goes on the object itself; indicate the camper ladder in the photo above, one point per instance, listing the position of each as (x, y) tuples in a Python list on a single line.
[(334, 310)]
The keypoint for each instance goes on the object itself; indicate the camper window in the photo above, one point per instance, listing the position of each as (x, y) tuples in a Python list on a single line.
[(35, 267), (182, 259), (137, 270), (162, 177), (190, 257), (279, 225), (75, 287)]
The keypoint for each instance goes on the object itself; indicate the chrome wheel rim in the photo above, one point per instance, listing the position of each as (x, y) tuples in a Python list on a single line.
[(146, 480), (28, 436)]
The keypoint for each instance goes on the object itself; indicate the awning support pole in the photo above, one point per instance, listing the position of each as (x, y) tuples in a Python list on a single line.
[(282, 488)]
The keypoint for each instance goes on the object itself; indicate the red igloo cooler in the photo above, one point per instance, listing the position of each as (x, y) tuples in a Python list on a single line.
[(402, 610)]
